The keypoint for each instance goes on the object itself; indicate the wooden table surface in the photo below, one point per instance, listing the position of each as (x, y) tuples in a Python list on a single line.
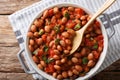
[(10, 68)]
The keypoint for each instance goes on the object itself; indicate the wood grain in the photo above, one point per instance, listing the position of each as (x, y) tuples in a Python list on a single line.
[(107, 76), (10, 6), (15, 76), (8, 48), (8, 60), (7, 36), (10, 68)]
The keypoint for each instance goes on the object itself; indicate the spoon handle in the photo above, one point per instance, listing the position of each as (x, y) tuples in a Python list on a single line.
[(105, 6)]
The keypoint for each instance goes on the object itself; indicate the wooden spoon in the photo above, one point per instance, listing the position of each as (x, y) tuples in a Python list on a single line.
[(79, 34)]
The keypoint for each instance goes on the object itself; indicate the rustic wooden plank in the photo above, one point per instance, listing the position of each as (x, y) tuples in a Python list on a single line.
[(8, 60), (8, 47), (15, 76), (10, 6), (107, 76), (7, 36)]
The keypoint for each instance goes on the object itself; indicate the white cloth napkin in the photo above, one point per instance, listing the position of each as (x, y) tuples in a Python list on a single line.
[(21, 19)]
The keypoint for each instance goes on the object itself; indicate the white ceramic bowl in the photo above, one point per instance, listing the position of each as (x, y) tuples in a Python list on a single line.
[(92, 71)]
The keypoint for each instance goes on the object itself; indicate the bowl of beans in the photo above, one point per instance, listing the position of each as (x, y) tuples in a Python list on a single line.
[(49, 42)]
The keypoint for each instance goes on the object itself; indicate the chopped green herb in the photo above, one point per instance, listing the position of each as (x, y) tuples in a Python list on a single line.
[(95, 46), (41, 32), (47, 60), (45, 49), (57, 41), (36, 52), (57, 28), (85, 60), (77, 26), (67, 15), (50, 60), (44, 57), (66, 28)]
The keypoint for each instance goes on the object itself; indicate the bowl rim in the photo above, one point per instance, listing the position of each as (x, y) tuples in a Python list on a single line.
[(101, 58)]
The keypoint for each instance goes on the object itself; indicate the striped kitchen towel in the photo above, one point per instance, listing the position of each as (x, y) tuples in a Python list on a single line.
[(20, 21)]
